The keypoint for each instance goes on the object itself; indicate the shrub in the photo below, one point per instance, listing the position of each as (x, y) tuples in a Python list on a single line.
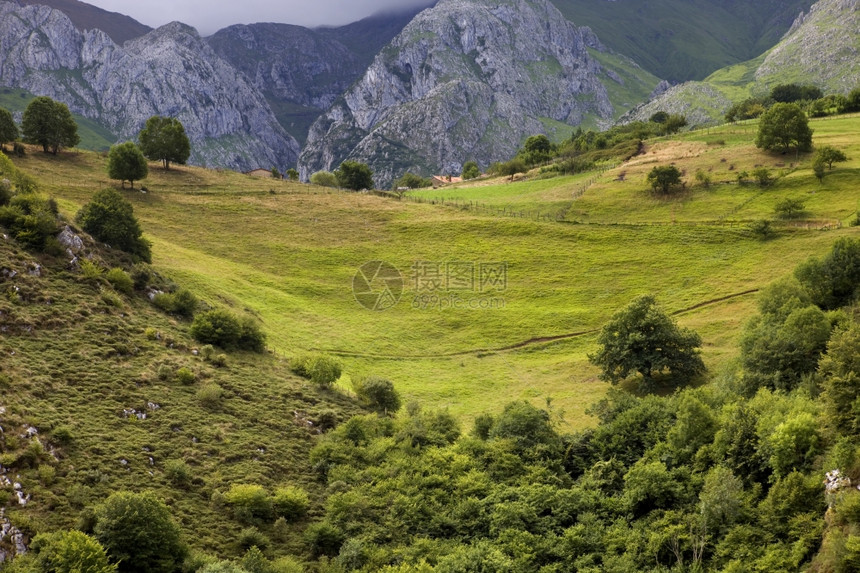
[(762, 176), (178, 472), (120, 280), (324, 539), (210, 395), (762, 229), (138, 533), (378, 394), (182, 302), (185, 376), (223, 328), (63, 435), (252, 537), (90, 270), (30, 219), (165, 372), (141, 275), (290, 502), (70, 552), (319, 368), (249, 502), (109, 217), (324, 179)]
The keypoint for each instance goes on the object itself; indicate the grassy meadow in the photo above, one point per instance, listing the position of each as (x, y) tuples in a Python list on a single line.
[(287, 253)]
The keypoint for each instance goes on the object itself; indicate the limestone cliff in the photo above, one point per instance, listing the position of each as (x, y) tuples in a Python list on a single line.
[(170, 71), (465, 80)]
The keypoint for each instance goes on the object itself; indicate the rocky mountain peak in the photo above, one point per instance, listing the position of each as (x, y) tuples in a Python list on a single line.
[(466, 79), (169, 71)]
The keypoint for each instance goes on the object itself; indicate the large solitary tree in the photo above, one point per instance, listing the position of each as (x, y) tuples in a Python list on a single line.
[(50, 124), (663, 178), (354, 175), (164, 139), (127, 163), (642, 338), (782, 127)]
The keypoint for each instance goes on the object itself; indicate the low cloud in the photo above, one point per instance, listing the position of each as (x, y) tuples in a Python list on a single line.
[(208, 16)]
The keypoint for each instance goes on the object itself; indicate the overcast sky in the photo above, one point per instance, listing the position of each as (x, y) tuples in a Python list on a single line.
[(209, 16)]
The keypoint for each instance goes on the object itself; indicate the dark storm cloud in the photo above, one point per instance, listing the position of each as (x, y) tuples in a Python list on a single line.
[(208, 16)]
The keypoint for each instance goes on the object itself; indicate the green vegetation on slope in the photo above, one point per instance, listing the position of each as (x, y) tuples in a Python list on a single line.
[(682, 40)]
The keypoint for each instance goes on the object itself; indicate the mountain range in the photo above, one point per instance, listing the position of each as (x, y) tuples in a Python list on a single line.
[(821, 48), (423, 90)]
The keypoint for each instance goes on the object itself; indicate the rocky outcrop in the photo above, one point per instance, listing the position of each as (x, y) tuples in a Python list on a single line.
[(291, 63), (465, 80), (700, 103), (822, 47), (170, 71), (303, 71)]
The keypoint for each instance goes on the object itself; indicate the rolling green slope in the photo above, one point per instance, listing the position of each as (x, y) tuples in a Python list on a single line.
[(79, 356), (682, 40), (93, 135)]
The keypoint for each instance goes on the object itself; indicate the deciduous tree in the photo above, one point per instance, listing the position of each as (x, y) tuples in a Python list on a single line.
[(50, 124), (109, 217), (642, 338), (782, 127), (127, 163), (663, 178), (830, 155), (354, 175), (164, 139), (138, 532), (8, 128), (471, 170)]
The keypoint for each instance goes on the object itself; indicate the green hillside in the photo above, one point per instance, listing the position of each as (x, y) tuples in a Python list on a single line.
[(681, 40), (93, 135), (552, 259)]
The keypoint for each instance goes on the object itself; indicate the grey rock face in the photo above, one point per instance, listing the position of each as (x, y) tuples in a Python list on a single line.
[(170, 71), (822, 48), (465, 80), (290, 62)]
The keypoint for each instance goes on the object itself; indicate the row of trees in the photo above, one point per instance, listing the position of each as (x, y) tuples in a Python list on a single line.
[(809, 98), (162, 139)]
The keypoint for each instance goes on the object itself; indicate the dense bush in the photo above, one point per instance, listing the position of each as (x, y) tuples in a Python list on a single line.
[(182, 302), (109, 217), (30, 219), (224, 329), (120, 280), (290, 502), (324, 179), (70, 552), (250, 502), (319, 368), (378, 394), (139, 534)]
